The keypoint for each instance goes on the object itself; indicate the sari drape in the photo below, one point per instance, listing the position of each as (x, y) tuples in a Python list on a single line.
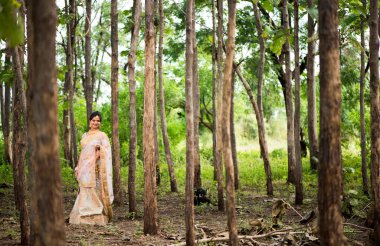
[(93, 203)]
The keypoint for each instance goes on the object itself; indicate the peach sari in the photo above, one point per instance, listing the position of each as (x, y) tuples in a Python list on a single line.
[(93, 203)]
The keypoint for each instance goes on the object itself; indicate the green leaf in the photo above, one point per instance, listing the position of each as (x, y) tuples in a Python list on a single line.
[(268, 5), (11, 25), (313, 12)]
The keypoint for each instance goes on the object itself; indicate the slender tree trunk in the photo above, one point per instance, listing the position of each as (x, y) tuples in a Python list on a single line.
[(297, 113), (132, 105), (156, 150), (47, 222), (5, 123), (233, 137), (20, 147), (196, 101), (288, 96), (190, 142), (150, 189), (165, 136), (259, 111), (214, 88), (88, 83), (261, 130), (375, 113), (362, 105), (311, 94), (226, 118), (219, 113), (329, 168), (73, 13), (115, 105)]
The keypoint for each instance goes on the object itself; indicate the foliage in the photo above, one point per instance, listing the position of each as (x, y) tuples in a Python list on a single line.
[(11, 23)]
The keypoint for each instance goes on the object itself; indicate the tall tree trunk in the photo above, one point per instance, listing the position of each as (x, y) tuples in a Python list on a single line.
[(87, 82), (115, 104), (311, 94), (259, 111), (47, 222), (362, 105), (156, 150), (165, 136), (329, 168), (233, 137), (226, 118), (219, 113), (150, 189), (73, 20), (66, 94), (132, 105), (297, 113), (190, 142), (288, 96), (20, 146), (261, 130), (214, 88), (196, 101), (7, 107), (375, 113)]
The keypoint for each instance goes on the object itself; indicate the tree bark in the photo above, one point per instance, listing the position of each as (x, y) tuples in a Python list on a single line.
[(87, 82), (150, 189), (132, 105), (226, 118), (20, 147), (311, 94), (375, 113), (117, 189), (47, 222), (288, 97), (261, 130), (190, 142), (362, 105), (165, 136), (219, 113), (233, 137), (297, 113), (330, 166), (196, 101)]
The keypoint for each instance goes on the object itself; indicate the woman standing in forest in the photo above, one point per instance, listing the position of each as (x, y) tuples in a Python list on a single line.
[(94, 174)]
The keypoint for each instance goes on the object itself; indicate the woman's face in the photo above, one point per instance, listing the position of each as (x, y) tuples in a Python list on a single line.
[(95, 123)]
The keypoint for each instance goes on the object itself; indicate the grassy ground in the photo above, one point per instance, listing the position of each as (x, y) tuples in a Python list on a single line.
[(254, 209)]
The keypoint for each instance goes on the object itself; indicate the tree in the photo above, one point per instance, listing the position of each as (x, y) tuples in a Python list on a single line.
[(214, 92), (288, 97), (233, 137), (226, 110), (115, 104), (6, 118), (190, 142), (362, 104), (196, 101), (375, 112), (47, 222), (88, 88), (20, 146), (297, 114), (219, 112), (259, 106), (311, 95), (132, 105), (165, 136), (150, 190), (330, 166)]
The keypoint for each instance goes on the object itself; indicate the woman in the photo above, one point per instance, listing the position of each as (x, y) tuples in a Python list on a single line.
[(94, 175)]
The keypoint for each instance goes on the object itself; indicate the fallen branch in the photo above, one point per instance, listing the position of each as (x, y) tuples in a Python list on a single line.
[(292, 208), (248, 237), (357, 226)]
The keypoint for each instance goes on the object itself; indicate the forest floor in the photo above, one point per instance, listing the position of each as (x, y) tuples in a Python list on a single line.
[(255, 215)]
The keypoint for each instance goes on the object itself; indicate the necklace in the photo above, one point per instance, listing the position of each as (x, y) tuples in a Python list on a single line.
[(92, 132)]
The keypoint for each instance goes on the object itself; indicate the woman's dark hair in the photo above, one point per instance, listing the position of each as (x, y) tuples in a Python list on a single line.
[(96, 113)]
